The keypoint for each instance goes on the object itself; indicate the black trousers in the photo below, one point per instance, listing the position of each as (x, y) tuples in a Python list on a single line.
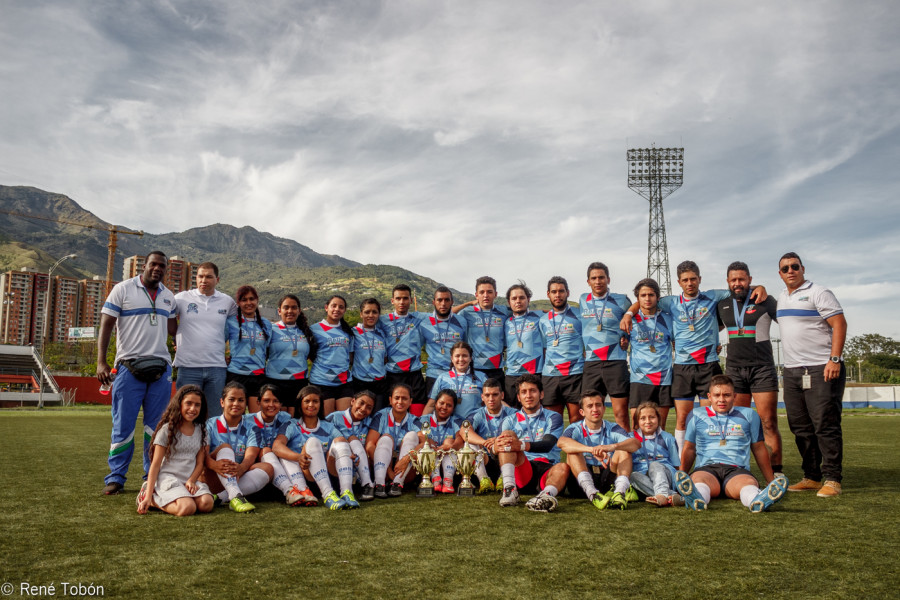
[(814, 416)]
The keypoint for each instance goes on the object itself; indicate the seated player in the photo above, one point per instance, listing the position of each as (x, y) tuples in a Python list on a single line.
[(353, 425), (266, 424), (444, 427), (486, 426), (655, 462), (393, 433), (234, 449), (720, 438), (598, 455), (527, 448), (310, 448), (463, 379)]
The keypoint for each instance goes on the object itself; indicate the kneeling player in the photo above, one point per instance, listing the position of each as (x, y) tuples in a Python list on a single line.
[(353, 424), (303, 446), (486, 426), (720, 437), (393, 433), (527, 446), (598, 454)]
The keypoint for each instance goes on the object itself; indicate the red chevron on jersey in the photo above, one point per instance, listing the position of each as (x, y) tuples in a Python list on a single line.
[(390, 420), (360, 330), (221, 426), (655, 378), (638, 436), (433, 422), (521, 417), (348, 422), (342, 377), (496, 360), (564, 367), (280, 325), (602, 353), (303, 430), (710, 412), (404, 364), (432, 320), (259, 371), (300, 375), (259, 423), (531, 366), (326, 327), (700, 355)]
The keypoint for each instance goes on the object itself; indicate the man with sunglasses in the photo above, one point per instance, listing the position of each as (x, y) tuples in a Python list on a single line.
[(813, 330)]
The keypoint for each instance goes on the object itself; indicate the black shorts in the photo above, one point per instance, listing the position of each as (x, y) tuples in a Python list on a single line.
[(604, 479), (693, 380), (492, 466), (287, 390), (607, 377), (531, 475), (747, 380), (644, 392), (333, 392), (492, 373), (251, 383), (561, 389), (413, 379), (509, 390), (378, 387), (723, 473)]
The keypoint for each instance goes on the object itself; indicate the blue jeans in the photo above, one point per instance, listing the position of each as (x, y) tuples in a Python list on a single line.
[(657, 480), (210, 379)]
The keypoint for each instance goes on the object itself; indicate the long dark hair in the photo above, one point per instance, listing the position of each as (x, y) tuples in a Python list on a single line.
[(240, 293), (303, 325), (465, 346), (172, 417), (345, 327)]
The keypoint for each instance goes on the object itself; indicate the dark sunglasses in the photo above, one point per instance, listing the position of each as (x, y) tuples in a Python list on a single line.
[(790, 267)]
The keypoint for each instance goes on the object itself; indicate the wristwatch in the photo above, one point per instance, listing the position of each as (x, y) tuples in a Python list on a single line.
[(836, 359)]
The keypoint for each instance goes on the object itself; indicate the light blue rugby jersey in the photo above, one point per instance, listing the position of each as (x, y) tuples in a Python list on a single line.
[(403, 342), (663, 448), (282, 363), (529, 357), (266, 432), (562, 339), (438, 337), (332, 364), (485, 333), (247, 344), (240, 438), (467, 388), (695, 347), (346, 427), (441, 431), (297, 434), (741, 427), (603, 344), (532, 428), (646, 366), (368, 344), (609, 433), (384, 423), (490, 426)]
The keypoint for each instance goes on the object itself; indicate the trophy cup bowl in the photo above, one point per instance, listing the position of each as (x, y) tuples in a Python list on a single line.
[(466, 461), (423, 461)]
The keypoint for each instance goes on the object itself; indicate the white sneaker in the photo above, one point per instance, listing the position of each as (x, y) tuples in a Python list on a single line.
[(510, 496), (542, 503)]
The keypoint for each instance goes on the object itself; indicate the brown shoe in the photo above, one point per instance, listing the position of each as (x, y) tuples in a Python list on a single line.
[(830, 489), (805, 485)]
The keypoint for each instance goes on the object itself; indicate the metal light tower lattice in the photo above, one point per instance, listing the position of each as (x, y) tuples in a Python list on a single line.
[(654, 173)]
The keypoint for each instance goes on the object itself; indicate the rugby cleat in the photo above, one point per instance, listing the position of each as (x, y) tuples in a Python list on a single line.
[(380, 492), (437, 484), (448, 487), (485, 486), (333, 501), (396, 490), (599, 500), (542, 503), (349, 500), (294, 496), (510, 496), (498, 487), (367, 493), (688, 491), (631, 495), (309, 499), (769, 495), (113, 489), (239, 504), (617, 500)]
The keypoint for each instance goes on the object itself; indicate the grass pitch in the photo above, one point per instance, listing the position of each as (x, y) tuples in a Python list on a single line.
[(57, 528)]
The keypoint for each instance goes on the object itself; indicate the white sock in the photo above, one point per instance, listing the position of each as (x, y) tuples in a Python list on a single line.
[(679, 439), (622, 484), (480, 470), (449, 467), (362, 465), (253, 480), (586, 481), (318, 466), (229, 483), (384, 450), (550, 490), (748, 493), (281, 479), (344, 465), (508, 471), (704, 491), (410, 441), (295, 474)]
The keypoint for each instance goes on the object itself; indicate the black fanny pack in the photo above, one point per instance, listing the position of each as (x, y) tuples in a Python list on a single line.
[(147, 368)]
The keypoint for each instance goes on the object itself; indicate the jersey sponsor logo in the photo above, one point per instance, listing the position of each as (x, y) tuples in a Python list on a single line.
[(193, 308), (167, 302), (683, 316)]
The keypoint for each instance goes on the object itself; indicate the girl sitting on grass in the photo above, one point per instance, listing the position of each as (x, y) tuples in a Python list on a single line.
[(656, 461), (176, 458)]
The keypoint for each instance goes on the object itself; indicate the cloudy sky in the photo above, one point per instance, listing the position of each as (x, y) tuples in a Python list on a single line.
[(461, 138)]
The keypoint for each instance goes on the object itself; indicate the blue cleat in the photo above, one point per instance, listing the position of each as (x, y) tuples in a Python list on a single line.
[(769, 495), (349, 500), (686, 489), (333, 502)]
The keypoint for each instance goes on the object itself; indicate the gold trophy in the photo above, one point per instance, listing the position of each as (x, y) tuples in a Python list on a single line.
[(424, 460), (466, 461)]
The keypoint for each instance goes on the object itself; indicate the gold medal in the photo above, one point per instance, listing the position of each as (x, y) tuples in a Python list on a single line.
[(397, 339), (599, 327), (556, 342), (252, 351), (741, 331), (487, 338), (371, 359), (442, 351), (691, 327), (520, 344), (294, 353), (652, 348), (722, 442)]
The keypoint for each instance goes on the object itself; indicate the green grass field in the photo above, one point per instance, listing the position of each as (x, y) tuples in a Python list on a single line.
[(56, 528)]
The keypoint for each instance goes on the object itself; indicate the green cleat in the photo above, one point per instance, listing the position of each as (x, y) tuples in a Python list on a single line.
[(349, 500), (485, 486), (239, 504), (631, 495), (498, 487), (333, 502), (599, 500), (617, 500)]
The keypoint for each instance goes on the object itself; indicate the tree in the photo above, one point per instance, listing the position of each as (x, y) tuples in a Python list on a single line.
[(861, 347)]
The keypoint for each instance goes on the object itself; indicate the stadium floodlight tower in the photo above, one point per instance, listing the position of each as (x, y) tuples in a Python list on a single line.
[(654, 173)]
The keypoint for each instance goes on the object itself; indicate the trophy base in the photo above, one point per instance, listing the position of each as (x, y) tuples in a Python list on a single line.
[(425, 492), (465, 492)]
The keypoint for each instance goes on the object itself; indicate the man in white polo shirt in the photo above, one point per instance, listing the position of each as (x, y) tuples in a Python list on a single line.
[(813, 330), (139, 309), (199, 336)]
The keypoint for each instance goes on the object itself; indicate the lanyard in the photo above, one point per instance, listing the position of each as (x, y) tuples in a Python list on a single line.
[(562, 321), (461, 382), (739, 318), (651, 336), (520, 332), (693, 314), (599, 314), (251, 334), (442, 339), (290, 329), (370, 344), (229, 433), (486, 325), (152, 299), (396, 328), (724, 429), (655, 440)]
